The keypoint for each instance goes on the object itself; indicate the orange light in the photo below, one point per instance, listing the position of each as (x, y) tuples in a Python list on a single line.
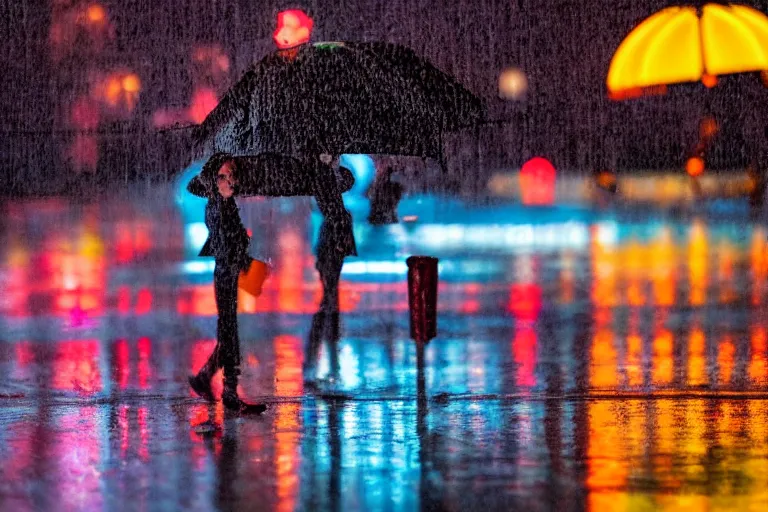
[(694, 166), (293, 28), (513, 84), (96, 13), (113, 90), (708, 127), (131, 83), (709, 80)]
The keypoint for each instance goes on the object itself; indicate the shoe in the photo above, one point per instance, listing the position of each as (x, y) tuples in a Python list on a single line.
[(202, 387), (233, 403)]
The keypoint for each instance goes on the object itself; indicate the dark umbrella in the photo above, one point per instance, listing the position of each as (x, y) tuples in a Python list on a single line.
[(266, 174), (374, 98)]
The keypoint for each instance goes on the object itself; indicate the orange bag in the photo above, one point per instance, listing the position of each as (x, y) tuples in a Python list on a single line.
[(252, 280)]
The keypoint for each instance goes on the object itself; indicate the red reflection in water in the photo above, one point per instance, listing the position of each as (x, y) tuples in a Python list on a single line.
[(124, 299), (24, 353), (201, 350), (470, 303), (525, 301), (77, 451), (122, 364), (76, 366), (141, 419), (144, 347), (143, 301), (289, 355), (524, 349)]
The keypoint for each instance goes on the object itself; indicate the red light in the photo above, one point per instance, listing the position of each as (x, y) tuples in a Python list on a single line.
[(537, 181), (694, 166), (525, 301), (293, 28), (143, 302)]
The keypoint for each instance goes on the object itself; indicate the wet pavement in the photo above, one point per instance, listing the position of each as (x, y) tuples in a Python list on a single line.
[(587, 358)]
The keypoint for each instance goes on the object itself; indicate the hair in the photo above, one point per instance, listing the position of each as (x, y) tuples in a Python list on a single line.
[(211, 169)]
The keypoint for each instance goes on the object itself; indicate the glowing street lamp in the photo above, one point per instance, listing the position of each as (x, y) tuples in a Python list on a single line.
[(689, 44)]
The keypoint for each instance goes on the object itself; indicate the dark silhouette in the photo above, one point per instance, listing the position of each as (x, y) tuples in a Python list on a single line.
[(385, 196), (228, 243), (335, 242)]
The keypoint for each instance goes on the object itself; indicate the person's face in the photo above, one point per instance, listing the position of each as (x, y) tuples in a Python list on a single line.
[(225, 180)]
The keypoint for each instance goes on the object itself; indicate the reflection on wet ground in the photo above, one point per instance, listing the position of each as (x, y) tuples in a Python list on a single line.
[(611, 359)]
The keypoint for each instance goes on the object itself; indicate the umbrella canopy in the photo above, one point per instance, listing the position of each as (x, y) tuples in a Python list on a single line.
[(687, 44), (267, 174), (335, 98)]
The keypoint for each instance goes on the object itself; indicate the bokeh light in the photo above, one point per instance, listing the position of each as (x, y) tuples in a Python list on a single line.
[(709, 80), (537, 181), (694, 166), (96, 14), (513, 84), (293, 28), (708, 127)]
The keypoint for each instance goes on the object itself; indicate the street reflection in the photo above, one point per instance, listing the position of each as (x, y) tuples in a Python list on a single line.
[(624, 370)]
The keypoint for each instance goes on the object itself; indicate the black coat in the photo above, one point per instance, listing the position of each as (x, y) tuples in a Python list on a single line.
[(336, 239), (228, 239)]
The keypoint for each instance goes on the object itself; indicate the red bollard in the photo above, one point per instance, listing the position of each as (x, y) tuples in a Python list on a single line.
[(422, 297)]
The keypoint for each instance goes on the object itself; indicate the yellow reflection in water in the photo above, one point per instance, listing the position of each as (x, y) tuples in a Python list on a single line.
[(663, 363), (607, 472), (604, 261), (727, 257), (663, 261), (759, 264), (603, 366), (677, 454), (697, 263), (757, 364), (634, 360), (725, 359), (634, 262), (697, 362)]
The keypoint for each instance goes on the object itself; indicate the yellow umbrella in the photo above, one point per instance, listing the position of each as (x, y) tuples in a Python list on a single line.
[(687, 44)]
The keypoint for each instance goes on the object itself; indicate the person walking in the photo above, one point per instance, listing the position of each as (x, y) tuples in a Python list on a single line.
[(228, 243), (335, 242)]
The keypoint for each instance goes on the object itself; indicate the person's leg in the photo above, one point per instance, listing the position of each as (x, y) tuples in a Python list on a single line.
[(329, 270), (201, 383), (330, 275), (229, 340)]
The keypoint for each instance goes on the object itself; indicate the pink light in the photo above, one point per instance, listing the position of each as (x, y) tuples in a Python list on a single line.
[(293, 28), (537, 181), (204, 100)]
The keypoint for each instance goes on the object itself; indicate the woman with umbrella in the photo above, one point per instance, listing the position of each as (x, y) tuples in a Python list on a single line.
[(335, 242), (228, 243)]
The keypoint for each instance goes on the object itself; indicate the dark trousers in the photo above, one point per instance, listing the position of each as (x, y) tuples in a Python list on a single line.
[(329, 266), (226, 354)]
